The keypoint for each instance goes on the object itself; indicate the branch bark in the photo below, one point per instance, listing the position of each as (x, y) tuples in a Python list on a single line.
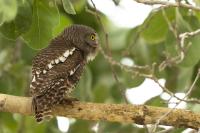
[(124, 113)]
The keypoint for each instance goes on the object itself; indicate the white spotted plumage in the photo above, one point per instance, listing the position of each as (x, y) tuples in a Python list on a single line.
[(37, 72), (62, 58), (44, 71), (50, 66), (52, 62), (33, 80), (56, 61), (66, 54)]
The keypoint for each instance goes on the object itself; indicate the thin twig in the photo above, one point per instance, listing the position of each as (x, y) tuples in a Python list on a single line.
[(180, 57), (188, 92), (192, 100), (184, 36), (190, 89), (167, 3)]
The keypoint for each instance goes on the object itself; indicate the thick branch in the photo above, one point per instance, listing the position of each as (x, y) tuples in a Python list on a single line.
[(140, 114)]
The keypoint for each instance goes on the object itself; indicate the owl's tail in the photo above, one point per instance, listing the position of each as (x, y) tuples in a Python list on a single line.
[(42, 104), (41, 110)]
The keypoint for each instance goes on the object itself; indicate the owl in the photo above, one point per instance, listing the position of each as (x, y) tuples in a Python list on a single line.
[(57, 68)]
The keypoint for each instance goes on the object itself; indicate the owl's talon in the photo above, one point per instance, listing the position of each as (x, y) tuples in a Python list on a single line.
[(73, 99), (69, 101)]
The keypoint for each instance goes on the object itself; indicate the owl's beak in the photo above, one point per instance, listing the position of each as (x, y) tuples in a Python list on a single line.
[(95, 44)]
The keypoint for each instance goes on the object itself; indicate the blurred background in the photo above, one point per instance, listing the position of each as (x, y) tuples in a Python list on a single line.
[(138, 35)]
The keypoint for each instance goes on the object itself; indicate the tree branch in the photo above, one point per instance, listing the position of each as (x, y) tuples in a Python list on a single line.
[(167, 3), (124, 113)]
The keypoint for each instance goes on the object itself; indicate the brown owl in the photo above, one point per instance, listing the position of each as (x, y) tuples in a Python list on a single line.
[(57, 68)]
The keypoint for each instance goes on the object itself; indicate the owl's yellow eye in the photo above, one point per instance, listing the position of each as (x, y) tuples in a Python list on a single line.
[(93, 37)]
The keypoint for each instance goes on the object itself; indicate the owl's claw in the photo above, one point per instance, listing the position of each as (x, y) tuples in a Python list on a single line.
[(73, 99), (69, 101)]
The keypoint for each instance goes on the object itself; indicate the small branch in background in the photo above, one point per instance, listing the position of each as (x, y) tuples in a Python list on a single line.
[(121, 86), (21, 125), (135, 70), (171, 27), (188, 92), (123, 113), (146, 128), (186, 35), (190, 89), (182, 37), (167, 3), (17, 50), (169, 61), (135, 39), (180, 43), (191, 100)]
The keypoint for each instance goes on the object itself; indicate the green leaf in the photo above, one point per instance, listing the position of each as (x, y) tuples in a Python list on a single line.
[(39, 128), (114, 127), (171, 44), (192, 55), (116, 2), (8, 10), (182, 24), (188, 23), (116, 94), (8, 122), (171, 78), (82, 126), (79, 5), (156, 27), (101, 93), (131, 81), (68, 7), (197, 2), (156, 101), (117, 38), (45, 18), (27, 54), (20, 24), (1, 18), (184, 78), (63, 23), (83, 90), (196, 89)]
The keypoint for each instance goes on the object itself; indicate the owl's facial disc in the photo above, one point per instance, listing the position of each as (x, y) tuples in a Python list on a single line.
[(92, 40)]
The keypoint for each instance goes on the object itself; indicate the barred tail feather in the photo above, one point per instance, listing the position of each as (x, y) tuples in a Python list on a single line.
[(41, 112), (42, 104)]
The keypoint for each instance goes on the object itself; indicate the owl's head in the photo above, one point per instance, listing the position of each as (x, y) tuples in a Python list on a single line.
[(84, 38)]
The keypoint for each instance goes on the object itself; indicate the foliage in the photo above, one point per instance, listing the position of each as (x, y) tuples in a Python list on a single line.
[(28, 25)]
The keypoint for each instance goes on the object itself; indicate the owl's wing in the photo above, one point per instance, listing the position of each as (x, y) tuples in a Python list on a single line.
[(55, 49), (62, 71)]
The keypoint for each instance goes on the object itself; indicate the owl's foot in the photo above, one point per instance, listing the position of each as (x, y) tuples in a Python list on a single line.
[(69, 101)]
